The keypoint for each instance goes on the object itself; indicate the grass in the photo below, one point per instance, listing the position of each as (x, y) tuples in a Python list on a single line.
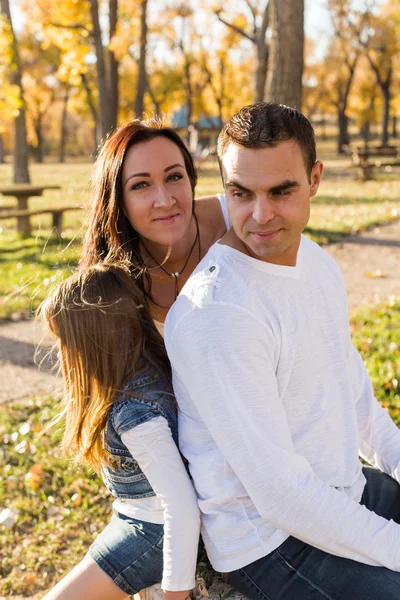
[(61, 507), (376, 333), (30, 264)]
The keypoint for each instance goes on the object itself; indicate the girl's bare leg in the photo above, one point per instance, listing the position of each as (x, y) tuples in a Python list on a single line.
[(86, 581)]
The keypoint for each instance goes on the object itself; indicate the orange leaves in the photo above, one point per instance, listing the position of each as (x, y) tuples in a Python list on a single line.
[(34, 476)]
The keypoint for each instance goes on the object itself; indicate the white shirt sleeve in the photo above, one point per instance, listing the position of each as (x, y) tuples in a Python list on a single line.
[(378, 436), (226, 360), (153, 447)]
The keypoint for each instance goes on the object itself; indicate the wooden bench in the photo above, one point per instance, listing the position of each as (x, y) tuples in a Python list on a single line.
[(365, 160), (56, 212)]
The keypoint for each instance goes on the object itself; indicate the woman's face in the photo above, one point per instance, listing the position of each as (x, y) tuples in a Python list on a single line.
[(156, 191)]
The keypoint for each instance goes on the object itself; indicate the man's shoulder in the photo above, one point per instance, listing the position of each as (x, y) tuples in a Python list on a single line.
[(198, 289), (205, 295), (315, 252)]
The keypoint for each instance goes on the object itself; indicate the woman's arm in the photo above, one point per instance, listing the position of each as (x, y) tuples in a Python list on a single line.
[(153, 447)]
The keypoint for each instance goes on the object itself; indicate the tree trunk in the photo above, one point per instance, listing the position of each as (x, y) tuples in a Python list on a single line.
[(385, 115), (259, 40), (2, 158), (39, 136), (20, 162), (103, 88), (365, 132), (286, 55), (63, 136), (189, 93), (343, 136), (394, 127), (275, 59), (262, 55), (221, 97), (142, 73), (262, 69), (293, 60), (113, 64), (157, 104), (92, 108)]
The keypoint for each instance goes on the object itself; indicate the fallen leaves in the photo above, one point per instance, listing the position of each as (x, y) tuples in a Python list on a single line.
[(377, 274), (8, 517), (34, 476)]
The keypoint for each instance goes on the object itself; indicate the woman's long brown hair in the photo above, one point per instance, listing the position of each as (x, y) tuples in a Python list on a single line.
[(109, 231), (106, 335)]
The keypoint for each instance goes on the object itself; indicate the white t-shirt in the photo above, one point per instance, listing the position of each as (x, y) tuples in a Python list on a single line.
[(275, 408), (224, 210)]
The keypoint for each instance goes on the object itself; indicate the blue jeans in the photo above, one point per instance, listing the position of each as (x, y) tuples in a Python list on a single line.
[(297, 571), (130, 552)]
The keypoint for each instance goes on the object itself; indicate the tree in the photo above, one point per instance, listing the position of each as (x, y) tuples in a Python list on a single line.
[(75, 28), (382, 46), (40, 85), (142, 73), (107, 79), (20, 163), (363, 105), (286, 54), (344, 52), (257, 36)]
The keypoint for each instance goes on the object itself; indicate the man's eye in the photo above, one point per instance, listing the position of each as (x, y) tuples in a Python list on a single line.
[(282, 193), (238, 194)]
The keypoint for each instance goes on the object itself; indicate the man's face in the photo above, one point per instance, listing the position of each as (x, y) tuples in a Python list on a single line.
[(268, 195)]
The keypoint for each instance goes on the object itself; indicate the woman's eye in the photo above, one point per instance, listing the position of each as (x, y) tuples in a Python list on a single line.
[(175, 177), (140, 185)]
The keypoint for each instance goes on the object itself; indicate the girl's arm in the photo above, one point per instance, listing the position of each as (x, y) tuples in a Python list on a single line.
[(153, 447)]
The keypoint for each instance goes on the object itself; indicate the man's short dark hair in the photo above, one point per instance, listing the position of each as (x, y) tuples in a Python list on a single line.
[(267, 124)]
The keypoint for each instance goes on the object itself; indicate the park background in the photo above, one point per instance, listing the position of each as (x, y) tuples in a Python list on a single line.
[(70, 72)]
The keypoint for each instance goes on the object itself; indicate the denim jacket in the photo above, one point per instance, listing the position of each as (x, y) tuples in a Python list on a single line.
[(145, 397)]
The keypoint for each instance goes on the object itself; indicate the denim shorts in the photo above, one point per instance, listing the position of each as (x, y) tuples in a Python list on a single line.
[(130, 552)]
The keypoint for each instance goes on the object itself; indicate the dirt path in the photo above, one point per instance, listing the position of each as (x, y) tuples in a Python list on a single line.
[(371, 267)]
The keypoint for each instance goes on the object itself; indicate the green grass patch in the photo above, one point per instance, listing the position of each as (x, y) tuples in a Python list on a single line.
[(376, 334), (62, 507), (29, 268)]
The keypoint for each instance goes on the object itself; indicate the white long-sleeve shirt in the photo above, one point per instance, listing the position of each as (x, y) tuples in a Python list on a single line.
[(175, 503), (275, 407)]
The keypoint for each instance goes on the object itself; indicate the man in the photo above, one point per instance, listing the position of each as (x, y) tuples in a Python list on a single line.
[(275, 403)]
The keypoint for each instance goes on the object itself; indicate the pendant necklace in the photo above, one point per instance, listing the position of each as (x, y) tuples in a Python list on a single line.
[(176, 274)]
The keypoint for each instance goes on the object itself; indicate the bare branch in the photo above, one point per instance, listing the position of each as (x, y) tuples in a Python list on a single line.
[(254, 15), (265, 22), (69, 26), (235, 28)]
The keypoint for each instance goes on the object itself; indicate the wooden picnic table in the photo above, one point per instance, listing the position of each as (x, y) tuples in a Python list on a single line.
[(22, 192)]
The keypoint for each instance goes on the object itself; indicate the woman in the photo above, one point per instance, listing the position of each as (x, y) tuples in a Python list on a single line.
[(144, 211), (144, 214), (120, 419)]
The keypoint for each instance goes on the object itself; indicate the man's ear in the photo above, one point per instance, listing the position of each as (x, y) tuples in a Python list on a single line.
[(316, 176)]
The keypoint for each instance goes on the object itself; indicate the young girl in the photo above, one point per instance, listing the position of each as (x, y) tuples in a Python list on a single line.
[(121, 420)]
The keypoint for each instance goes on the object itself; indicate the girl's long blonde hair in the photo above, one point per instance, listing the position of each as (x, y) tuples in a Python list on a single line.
[(106, 335)]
